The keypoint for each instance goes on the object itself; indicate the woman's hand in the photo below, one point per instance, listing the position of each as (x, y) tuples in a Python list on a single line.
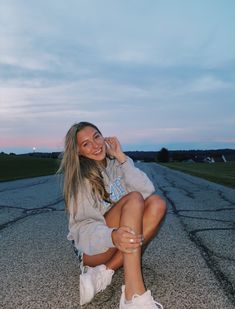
[(125, 239), (114, 149)]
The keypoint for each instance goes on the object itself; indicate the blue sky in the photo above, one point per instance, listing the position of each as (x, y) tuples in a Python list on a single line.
[(157, 73)]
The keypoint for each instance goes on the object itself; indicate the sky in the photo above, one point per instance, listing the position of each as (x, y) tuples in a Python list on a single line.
[(155, 73)]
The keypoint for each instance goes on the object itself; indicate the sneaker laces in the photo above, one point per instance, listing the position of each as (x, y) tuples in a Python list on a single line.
[(152, 301), (159, 306), (149, 302)]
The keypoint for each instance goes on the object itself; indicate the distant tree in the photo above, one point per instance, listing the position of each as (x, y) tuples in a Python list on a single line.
[(12, 154), (163, 155)]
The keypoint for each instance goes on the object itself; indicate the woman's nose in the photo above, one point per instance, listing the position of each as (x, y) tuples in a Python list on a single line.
[(95, 144)]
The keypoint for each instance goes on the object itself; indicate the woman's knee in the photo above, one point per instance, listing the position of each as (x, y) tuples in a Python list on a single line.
[(156, 206), (134, 200), (135, 195)]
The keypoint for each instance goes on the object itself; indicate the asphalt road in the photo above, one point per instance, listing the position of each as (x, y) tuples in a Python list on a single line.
[(189, 264)]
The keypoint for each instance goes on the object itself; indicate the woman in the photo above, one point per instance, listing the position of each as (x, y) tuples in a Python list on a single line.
[(112, 211)]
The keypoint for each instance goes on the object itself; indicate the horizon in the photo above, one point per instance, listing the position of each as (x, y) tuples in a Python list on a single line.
[(126, 148), (170, 150), (162, 77)]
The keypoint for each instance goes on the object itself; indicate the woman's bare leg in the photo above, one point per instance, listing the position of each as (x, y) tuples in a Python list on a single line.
[(154, 211), (134, 212), (130, 210), (132, 216)]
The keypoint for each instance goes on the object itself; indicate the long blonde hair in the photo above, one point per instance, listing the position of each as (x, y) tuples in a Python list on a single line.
[(78, 168)]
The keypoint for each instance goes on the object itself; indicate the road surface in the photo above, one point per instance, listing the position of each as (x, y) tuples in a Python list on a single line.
[(189, 264)]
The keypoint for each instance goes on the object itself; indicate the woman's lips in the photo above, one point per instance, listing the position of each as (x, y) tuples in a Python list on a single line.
[(98, 151)]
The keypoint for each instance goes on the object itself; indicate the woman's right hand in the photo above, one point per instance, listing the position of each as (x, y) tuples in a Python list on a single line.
[(125, 239)]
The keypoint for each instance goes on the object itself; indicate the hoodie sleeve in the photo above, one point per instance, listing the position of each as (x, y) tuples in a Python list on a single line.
[(88, 228), (135, 179)]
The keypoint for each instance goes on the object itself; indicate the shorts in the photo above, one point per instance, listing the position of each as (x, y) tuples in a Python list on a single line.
[(78, 253)]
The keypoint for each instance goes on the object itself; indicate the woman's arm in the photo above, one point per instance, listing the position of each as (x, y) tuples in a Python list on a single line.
[(91, 236), (134, 178), (87, 226)]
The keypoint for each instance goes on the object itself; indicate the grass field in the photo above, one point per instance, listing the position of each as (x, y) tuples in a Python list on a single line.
[(16, 167), (222, 173)]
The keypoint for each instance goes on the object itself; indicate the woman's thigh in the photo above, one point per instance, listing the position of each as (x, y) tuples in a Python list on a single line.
[(112, 218)]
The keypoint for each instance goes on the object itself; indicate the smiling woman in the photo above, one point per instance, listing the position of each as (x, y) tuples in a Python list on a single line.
[(112, 211)]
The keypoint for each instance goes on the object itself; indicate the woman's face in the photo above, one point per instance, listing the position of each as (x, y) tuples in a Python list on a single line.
[(91, 144)]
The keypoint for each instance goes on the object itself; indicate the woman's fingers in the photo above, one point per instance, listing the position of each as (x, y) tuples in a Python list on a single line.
[(127, 241), (129, 236), (109, 140), (133, 238), (130, 248), (112, 142), (129, 251)]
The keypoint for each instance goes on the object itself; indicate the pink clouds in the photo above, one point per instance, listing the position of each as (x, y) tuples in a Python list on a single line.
[(29, 142)]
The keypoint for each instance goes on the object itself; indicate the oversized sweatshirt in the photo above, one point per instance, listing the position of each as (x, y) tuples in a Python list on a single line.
[(87, 227)]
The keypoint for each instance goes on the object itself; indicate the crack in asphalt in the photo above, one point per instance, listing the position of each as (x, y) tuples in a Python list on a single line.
[(25, 186), (27, 212), (187, 180), (214, 266), (194, 232), (188, 193), (191, 194), (203, 218), (206, 253), (206, 210), (11, 207), (224, 198)]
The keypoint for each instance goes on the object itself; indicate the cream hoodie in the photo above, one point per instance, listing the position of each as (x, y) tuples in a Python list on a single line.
[(88, 228)]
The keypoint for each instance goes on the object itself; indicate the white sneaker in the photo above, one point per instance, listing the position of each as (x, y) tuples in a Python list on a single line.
[(92, 281), (144, 301)]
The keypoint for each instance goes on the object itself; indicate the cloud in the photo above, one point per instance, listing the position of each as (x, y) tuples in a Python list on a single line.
[(209, 83), (158, 75)]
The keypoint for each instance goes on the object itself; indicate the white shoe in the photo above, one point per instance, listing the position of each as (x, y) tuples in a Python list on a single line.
[(92, 281), (144, 301)]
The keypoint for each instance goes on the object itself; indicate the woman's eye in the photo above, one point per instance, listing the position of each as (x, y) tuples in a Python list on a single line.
[(85, 144), (97, 136)]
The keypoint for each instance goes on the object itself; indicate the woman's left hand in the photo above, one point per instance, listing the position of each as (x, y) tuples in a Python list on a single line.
[(114, 148)]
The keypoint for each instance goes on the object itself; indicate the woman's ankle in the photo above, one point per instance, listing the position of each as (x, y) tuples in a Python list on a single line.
[(130, 292)]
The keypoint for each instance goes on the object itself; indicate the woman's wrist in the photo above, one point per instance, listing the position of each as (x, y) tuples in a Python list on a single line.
[(113, 234), (121, 158)]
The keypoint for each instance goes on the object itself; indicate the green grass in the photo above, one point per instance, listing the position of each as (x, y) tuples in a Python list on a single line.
[(17, 167), (222, 173)]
